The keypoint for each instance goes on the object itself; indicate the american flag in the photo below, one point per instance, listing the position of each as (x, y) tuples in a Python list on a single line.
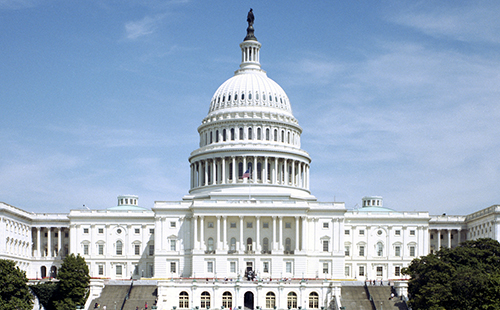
[(246, 174)]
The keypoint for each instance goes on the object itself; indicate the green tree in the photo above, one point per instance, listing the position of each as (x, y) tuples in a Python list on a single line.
[(14, 291), (465, 277), (74, 282), (46, 293)]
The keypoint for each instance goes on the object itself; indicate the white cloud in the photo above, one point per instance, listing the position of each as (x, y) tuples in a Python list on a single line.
[(143, 27)]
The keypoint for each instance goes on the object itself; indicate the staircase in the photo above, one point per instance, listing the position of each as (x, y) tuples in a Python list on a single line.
[(141, 294), (355, 298), (111, 294), (381, 296)]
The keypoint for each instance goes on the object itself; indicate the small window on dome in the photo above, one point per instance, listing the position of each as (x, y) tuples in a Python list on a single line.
[(223, 98), (249, 96), (281, 100), (242, 96), (270, 98), (218, 100), (235, 96), (257, 96), (263, 96), (229, 98), (276, 99)]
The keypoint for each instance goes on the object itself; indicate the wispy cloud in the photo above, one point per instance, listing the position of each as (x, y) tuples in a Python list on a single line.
[(475, 21), (143, 27), (18, 4)]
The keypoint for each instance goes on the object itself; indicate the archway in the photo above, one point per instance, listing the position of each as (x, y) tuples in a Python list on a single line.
[(248, 302), (53, 271), (43, 272)]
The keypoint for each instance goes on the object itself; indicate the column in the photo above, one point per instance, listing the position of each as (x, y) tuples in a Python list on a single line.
[(307, 177), (293, 173), (217, 244), (264, 171), (214, 175), (39, 252), (304, 233), (242, 248), (206, 173), (275, 171), (459, 235), (282, 240), (59, 247), (257, 232), (274, 234), (300, 181), (202, 232), (200, 178), (194, 219), (234, 169), (285, 173), (439, 239), (223, 173), (449, 238), (224, 232), (315, 234), (297, 240), (49, 242)]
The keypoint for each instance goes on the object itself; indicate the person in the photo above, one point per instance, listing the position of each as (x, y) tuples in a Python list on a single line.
[(146, 305), (392, 296)]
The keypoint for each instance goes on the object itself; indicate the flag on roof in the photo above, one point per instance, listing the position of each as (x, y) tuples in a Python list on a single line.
[(246, 174)]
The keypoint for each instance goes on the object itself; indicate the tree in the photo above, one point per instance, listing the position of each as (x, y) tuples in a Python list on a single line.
[(74, 281), (465, 277), (46, 293), (14, 291)]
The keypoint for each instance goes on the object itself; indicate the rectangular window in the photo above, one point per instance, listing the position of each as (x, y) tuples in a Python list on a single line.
[(151, 249), (325, 268), (412, 233), (232, 225), (288, 267), (325, 225), (412, 251), (118, 270), (101, 230), (361, 271), (232, 267), (152, 231), (397, 271), (347, 232), (249, 224), (347, 251), (347, 272), (265, 225), (380, 271), (136, 270), (210, 267), (85, 249), (432, 236), (173, 244), (398, 232), (100, 248), (362, 250), (172, 224), (210, 224), (137, 230), (172, 267), (288, 225), (137, 249), (397, 251), (361, 232), (85, 231), (325, 246), (101, 270), (265, 267), (151, 270)]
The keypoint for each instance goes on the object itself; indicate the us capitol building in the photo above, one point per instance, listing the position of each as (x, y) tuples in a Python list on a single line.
[(249, 214)]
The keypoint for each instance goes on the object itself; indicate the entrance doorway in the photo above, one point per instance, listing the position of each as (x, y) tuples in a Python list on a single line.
[(248, 303)]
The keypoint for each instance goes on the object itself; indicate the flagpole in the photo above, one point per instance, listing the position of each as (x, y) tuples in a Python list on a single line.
[(249, 191)]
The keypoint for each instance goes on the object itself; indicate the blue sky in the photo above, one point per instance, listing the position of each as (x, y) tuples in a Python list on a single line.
[(397, 99)]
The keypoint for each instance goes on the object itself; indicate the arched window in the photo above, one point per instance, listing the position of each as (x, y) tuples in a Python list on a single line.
[(240, 170), (250, 168), (380, 249), (288, 244), (283, 136), (229, 98), (183, 300), (265, 244), (267, 134), (119, 246), (230, 171), (270, 300), (249, 96), (241, 133), (313, 300), (276, 135), (210, 244), (43, 271), (259, 171), (224, 135), (291, 300), (235, 96), (288, 137), (269, 171), (249, 244), (211, 138), (216, 136), (249, 133), (243, 96), (259, 134), (227, 300), (232, 246), (232, 134), (205, 300)]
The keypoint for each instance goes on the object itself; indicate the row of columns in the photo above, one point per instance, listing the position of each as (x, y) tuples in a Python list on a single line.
[(448, 234), (202, 172), (50, 253), (250, 133)]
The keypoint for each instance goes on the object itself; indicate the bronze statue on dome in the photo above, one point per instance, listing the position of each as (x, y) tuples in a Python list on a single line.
[(250, 30)]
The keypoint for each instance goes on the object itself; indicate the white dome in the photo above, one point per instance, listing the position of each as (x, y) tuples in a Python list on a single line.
[(250, 89)]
